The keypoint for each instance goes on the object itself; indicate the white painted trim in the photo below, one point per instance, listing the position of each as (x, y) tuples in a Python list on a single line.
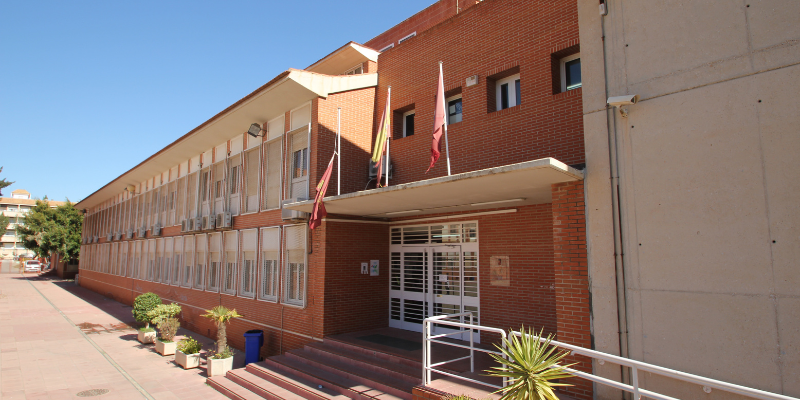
[(449, 217), (563, 70), (390, 46), (356, 221), (405, 114), (512, 92), (406, 37)]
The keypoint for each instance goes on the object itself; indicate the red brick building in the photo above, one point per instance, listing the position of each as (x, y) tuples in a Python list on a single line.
[(219, 216)]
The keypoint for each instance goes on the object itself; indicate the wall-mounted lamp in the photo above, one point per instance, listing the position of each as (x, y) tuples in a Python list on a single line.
[(255, 130), (131, 189)]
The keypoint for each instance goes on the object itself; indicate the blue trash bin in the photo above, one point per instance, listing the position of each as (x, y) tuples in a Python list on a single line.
[(253, 340)]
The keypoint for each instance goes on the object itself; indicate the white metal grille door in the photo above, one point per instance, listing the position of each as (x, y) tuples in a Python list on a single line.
[(433, 271)]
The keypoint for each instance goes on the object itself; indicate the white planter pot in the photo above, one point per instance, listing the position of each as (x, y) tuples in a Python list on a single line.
[(147, 337), (166, 348), (187, 361), (221, 366)]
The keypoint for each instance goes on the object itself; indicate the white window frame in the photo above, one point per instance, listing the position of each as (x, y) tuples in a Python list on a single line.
[(352, 71), (276, 273), (406, 37), (177, 261), (259, 150), (286, 270), (225, 261), (264, 163), (447, 108), (218, 272), (405, 114), (512, 92), (254, 268), (200, 286), (563, 71)]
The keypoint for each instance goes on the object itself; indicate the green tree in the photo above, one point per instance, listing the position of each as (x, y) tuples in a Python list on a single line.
[(4, 221), (4, 184), (48, 230)]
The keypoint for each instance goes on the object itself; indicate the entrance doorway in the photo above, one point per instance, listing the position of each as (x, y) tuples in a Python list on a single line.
[(437, 277)]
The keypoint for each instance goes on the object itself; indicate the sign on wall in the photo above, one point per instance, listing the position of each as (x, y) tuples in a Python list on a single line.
[(373, 267), (500, 271)]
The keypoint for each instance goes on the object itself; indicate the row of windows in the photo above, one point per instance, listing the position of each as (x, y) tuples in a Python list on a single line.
[(508, 94), (245, 183), (243, 263)]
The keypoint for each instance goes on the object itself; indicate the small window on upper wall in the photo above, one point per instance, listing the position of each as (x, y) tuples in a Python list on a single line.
[(355, 70), (570, 72), (508, 93), (454, 110), (408, 123)]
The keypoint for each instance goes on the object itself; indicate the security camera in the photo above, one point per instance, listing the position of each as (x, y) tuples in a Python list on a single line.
[(626, 100)]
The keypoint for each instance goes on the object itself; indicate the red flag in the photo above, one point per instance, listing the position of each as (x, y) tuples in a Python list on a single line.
[(438, 122), (319, 207)]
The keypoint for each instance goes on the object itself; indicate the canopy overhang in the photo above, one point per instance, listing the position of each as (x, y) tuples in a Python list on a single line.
[(285, 92), (510, 185), (343, 59)]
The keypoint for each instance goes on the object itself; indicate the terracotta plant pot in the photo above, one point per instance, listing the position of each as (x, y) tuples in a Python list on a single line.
[(147, 336), (219, 366), (166, 348), (187, 361)]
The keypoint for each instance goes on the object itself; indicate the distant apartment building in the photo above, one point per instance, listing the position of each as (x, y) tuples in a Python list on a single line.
[(15, 208)]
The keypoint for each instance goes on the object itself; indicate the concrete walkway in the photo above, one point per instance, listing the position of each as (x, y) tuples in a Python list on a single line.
[(58, 340)]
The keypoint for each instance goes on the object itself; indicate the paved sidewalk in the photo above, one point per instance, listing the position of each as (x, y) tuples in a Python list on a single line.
[(44, 356)]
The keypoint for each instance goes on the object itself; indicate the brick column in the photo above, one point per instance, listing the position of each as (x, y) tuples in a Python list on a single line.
[(572, 279)]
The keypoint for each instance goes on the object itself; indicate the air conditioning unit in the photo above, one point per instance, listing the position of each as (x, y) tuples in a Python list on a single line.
[(117, 235), (183, 225), (95, 239), (129, 234), (142, 232), (198, 223), (287, 214), (109, 237), (223, 220), (373, 170), (156, 230), (208, 223)]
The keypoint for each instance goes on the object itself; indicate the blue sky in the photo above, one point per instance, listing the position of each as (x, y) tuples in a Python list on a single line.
[(88, 89)]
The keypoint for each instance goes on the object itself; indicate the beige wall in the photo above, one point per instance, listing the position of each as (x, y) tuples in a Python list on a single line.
[(710, 205)]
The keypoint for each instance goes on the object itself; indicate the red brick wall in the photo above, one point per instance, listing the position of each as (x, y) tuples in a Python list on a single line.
[(544, 125), (572, 278), (419, 22)]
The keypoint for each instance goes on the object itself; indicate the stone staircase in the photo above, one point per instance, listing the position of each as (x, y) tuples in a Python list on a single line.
[(331, 369)]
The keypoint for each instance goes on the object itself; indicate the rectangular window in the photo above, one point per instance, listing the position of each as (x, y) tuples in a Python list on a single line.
[(299, 183), (408, 123), (271, 195), (191, 195), (156, 249), (454, 110), (177, 261), (188, 261), (296, 276), (180, 201), (231, 260), (214, 262), (355, 70), (123, 259), (201, 247), (270, 251), (251, 160), (248, 259), (234, 184), (166, 261), (204, 182), (171, 202), (570, 72), (219, 180), (151, 259), (508, 92)]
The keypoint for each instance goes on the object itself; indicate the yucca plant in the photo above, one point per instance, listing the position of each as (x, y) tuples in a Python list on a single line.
[(221, 316), (531, 367)]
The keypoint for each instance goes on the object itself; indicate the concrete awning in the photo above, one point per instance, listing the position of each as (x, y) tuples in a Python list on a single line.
[(283, 93), (343, 59), (510, 185)]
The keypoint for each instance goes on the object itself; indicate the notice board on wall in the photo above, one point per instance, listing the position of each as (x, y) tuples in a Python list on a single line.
[(500, 271)]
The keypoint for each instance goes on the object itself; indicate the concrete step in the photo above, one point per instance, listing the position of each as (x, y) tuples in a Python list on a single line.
[(231, 389), (380, 365), (297, 382), (392, 358), (368, 377), (260, 386), (336, 381)]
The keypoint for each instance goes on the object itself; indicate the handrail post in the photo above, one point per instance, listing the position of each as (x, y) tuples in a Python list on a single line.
[(428, 353), (471, 345), (503, 336), (635, 373), (424, 352)]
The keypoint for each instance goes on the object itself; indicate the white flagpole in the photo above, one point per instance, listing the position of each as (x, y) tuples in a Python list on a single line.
[(339, 151), (388, 108), (446, 114)]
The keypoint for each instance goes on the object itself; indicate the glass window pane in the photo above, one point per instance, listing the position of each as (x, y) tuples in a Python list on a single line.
[(517, 93), (504, 96), (573, 73)]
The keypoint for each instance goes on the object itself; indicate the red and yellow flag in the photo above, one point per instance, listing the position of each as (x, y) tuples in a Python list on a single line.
[(438, 122)]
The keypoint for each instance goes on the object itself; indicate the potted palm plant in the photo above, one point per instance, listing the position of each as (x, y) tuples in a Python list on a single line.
[(220, 361), (163, 316), (143, 304), (531, 367), (188, 355)]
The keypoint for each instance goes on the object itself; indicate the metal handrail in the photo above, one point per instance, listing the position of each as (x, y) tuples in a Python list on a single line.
[(636, 366)]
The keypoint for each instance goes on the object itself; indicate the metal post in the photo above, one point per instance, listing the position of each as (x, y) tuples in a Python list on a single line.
[(471, 345), (635, 373), (388, 134), (446, 143), (339, 151), (424, 352)]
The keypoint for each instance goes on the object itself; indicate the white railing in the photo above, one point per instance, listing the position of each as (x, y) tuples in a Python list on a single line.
[(707, 383)]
